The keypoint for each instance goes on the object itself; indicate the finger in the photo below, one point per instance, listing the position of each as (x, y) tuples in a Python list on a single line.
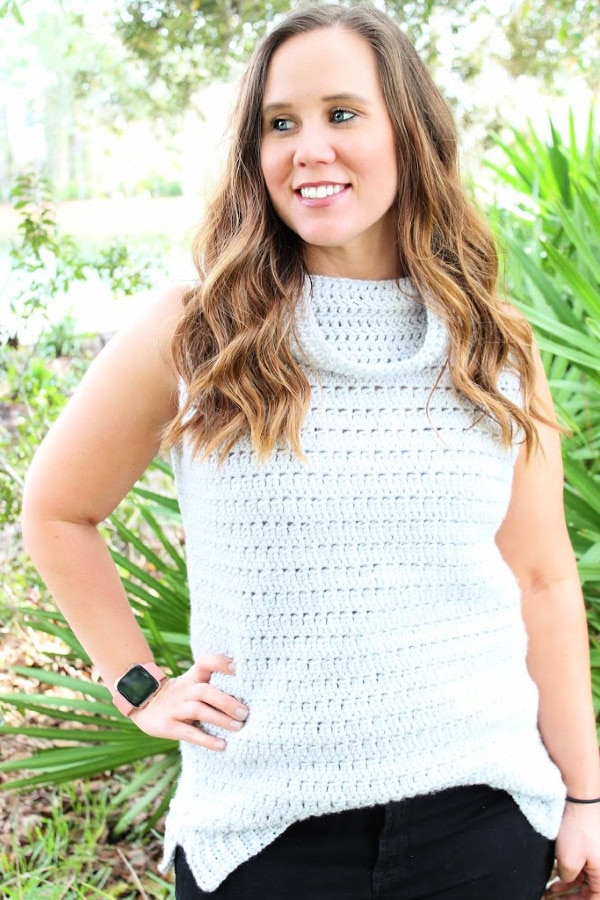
[(200, 712), (592, 878), (212, 696), (204, 666), (565, 888), (570, 874), (194, 735)]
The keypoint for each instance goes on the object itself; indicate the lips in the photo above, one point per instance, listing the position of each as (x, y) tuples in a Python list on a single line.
[(319, 183)]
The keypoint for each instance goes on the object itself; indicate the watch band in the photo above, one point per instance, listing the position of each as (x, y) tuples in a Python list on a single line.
[(122, 703)]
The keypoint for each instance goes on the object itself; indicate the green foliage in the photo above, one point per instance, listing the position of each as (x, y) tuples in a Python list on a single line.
[(546, 36), (11, 8), (126, 271), (93, 737), (60, 339), (158, 186), (34, 391), (552, 236), (182, 44), (60, 854), (46, 263)]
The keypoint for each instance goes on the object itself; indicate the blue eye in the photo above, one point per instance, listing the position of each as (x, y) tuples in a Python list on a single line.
[(342, 115), (280, 124)]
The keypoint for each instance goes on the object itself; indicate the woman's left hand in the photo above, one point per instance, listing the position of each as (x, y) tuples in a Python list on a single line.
[(578, 853)]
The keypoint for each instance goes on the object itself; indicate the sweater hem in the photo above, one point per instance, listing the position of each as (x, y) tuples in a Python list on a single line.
[(211, 860)]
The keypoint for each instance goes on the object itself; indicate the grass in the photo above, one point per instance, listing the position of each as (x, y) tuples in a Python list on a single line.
[(58, 843), (63, 852)]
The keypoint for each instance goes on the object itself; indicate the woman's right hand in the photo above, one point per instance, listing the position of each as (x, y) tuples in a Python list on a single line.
[(182, 704)]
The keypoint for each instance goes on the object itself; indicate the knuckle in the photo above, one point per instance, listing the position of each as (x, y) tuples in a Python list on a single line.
[(203, 690), (186, 731), (568, 873), (201, 712)]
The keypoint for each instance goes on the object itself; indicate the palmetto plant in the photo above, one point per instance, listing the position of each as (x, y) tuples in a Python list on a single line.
[(552, 239), (87, 735)]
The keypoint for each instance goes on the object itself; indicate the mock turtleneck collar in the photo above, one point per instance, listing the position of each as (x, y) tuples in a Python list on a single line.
[(369, 329)]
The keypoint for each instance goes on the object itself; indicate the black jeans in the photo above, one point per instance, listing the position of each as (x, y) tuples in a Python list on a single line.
[(465, 843)]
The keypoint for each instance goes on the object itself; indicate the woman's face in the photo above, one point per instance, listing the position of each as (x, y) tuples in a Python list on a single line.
[(328, 153)]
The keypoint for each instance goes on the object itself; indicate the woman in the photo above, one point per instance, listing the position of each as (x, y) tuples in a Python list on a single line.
[(386, 621)]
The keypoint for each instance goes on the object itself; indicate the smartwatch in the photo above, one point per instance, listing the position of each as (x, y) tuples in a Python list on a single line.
[(136, 686)]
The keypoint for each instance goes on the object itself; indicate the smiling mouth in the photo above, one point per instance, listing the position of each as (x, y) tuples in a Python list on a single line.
[(319, 192)]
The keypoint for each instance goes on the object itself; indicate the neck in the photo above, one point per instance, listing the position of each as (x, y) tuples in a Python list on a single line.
[(366, 260)]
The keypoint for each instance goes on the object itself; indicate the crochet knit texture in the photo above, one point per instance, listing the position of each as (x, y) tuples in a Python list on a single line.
[(375, 627)]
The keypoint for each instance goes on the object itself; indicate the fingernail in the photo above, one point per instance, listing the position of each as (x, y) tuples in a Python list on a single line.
[(231, 667), (236, 725), (220, 743), (241, 713)]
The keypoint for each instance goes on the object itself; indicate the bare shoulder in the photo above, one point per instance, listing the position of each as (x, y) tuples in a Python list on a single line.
[(150, 325), (137, 360)]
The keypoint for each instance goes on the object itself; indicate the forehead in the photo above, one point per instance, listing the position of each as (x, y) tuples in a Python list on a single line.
[(324, 61)]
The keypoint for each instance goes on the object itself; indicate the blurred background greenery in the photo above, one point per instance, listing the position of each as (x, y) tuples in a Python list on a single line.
[(111, 129)]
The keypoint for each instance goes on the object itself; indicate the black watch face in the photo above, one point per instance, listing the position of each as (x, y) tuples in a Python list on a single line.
[(137, 685)]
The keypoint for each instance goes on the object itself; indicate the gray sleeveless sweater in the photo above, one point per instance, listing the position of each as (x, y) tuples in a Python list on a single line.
[(375, 627)]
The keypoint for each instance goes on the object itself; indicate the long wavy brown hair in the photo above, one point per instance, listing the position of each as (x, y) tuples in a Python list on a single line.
[(232, 345)]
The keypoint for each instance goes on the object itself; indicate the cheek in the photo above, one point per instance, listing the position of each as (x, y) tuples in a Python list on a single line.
[(388, 163), (271, 165), (273, 175), (375, 160)]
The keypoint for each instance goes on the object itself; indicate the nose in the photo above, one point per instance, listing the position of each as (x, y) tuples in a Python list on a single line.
[(313, 146)]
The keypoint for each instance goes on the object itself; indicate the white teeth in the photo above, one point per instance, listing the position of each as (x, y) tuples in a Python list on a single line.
[(323, 190)]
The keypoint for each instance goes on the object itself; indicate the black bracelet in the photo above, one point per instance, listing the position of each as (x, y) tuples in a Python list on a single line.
[(575, 800)]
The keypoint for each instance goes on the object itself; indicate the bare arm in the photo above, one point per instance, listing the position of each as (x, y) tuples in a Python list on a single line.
[(534, 541), (103, 441)]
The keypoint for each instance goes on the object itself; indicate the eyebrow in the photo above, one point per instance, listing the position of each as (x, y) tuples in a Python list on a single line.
[(345, 97)]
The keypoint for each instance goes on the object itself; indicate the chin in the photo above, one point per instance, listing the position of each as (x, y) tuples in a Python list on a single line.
[(322, 239)]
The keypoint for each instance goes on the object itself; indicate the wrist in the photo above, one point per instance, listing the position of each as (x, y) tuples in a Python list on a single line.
[(583, 782)]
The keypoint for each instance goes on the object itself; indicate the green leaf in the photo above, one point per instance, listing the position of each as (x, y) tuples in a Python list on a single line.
[(50, 701), (146, 796), (580, 241), (589, 566), (560, 167), (572, 337), (74, 684), (147, 775), (549, 292), (587, 486), (582, 359), (80, 735), (167, 503)]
